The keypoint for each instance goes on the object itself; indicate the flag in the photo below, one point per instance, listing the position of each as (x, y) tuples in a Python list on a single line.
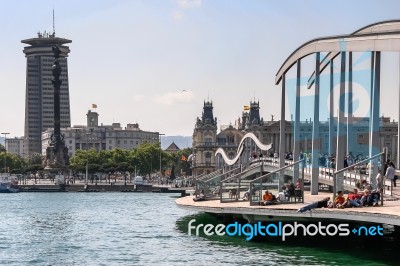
[(246, 107), (94, 105), (183, 158)]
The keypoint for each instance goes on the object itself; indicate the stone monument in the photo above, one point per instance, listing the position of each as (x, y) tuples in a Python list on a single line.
[(57, 158)]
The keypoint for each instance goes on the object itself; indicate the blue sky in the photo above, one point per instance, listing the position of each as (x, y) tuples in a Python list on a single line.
[(134, 58)]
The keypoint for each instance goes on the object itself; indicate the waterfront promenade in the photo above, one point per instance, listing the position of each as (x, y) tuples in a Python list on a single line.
[(389, 213)]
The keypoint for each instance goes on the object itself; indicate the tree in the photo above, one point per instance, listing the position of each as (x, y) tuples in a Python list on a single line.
[(35, 158), (11, 161)]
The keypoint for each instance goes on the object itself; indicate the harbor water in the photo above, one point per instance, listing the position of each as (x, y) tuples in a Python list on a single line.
[(141, 229)]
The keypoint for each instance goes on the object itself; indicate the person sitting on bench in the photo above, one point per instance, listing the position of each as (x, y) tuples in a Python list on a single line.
[(268, 198)]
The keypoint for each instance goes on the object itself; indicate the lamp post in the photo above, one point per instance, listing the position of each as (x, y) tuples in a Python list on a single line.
[(5, 156), (87, 158), (159, 135)]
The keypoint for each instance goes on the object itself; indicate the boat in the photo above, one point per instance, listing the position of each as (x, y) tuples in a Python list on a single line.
[(5, 187), (8, 185)]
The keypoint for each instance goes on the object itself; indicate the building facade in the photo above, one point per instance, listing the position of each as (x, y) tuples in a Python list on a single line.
[(204, 142), (206, 139), (39, 98), (101, 137), (15, 146)]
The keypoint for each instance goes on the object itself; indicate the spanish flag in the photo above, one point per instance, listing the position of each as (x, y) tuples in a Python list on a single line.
[(246, 107), (94, 105), (183, 158)]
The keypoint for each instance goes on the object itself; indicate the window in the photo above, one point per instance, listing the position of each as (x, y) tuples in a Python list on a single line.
[(208, 158)]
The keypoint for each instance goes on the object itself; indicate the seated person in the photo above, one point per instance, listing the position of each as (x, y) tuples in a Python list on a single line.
[(340, 200), (299, 183), (364, 198), (268, 198), (290, 188), (370, 198), (246, 195), (200, 197), (283, 195), (317, 204), (354, 199), (374, 198)]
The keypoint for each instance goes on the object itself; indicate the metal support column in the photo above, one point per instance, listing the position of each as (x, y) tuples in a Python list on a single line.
[(340, 146), (282, 132), (331, 112), (398, 126), (316, 140), (374, 133), (296, 128), (350, 139)]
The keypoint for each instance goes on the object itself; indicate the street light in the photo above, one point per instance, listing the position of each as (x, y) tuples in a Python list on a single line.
[(87, 158), (5, 156)]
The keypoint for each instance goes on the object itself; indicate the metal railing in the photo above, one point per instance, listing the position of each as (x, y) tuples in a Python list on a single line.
[(383, 156), (210, 184), (233, 184), (272, 183)]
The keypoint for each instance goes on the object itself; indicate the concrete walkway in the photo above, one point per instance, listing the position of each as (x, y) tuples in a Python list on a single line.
[(389, 213)]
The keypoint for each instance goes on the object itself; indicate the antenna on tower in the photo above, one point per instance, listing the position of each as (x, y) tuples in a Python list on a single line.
[(54, 27)]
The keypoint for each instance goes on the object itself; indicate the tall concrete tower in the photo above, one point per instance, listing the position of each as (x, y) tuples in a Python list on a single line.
[(39, 98)]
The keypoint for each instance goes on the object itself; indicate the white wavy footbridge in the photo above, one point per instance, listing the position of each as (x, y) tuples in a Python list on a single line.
[(261, 146)]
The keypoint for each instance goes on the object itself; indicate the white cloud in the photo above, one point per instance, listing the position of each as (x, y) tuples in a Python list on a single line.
[(177, 15), (175, 97), (189, 3), (138, 98)]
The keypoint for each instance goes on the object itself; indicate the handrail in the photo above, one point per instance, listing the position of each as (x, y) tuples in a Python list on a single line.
[(254, 166), (221, 174), (280, 169), (358, 163)]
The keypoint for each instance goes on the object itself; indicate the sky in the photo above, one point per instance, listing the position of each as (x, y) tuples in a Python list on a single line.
[(155, 62)]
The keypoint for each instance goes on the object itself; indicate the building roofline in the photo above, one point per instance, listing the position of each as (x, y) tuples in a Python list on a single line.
[(46, 41)]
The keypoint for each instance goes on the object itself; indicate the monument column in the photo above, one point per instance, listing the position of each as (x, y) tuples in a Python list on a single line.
[(57, 153)]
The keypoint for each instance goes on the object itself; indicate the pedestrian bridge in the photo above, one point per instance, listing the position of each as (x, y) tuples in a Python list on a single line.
[(245, 172)]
